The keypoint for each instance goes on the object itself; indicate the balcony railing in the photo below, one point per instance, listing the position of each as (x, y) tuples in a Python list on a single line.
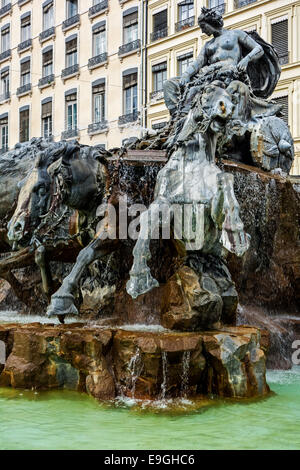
[(99, 8), (97, 60), (25, 45), (48, 33), (5, 96), (97, 127), (46, 81), (5, 55), (70, 71), (70, 22), (159, 34), (4, 10), (187, 23), (23, 90), (156, 95), (129, 47), (68, 134), (242, 3), (220, 7), (22, 2), (127, 118), (284, 58)]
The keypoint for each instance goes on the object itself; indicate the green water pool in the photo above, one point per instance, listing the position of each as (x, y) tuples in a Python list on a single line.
[(68, 420)]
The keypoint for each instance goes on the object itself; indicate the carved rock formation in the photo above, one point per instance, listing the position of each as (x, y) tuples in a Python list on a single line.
[(106, 362)]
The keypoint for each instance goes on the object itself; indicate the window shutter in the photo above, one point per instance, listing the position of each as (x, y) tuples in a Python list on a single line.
[(129, 80), (72, 97), (159, 67), (48, 57), (26, 21), (284, 102), (280, 40), (129, 20), (160, 20), (25, 67), (71, 46), (47, 109), (99, 88), (188, 55)]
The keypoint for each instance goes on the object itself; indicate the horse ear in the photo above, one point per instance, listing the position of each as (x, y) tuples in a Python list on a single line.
[(68, 153)]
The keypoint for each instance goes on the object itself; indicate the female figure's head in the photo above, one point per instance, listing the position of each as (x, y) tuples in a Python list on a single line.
[(210, 21)]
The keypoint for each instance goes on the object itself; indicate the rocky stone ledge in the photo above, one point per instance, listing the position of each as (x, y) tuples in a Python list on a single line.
[(109, 362)]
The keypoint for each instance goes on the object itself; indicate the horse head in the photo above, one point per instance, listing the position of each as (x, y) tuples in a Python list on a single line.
[(210, 111), (34, 197)]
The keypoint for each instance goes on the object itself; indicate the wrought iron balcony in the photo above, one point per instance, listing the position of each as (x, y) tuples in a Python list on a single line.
[(127, 118), (129, 47), (159, 126), (156, 95), (23, 90), (97, 60), (4, 10), (284, 58), (47, 34), (22, 2), (70, 22), (98, 8), (159, 34), (25, 45), (5, 96), (97, 127), (68, 134), (70, 71), (220, 8), (184, 24), (242, 3), (5, 55), (46, 81)]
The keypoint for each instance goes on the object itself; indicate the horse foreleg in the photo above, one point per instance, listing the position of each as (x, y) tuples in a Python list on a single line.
[(62, 302), (42, 263), (141, 280)]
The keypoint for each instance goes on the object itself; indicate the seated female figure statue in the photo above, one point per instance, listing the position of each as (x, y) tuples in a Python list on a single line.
[(230, 55)]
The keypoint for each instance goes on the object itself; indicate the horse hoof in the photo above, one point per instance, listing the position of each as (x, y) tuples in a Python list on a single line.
[(62, 305), (139, 284)]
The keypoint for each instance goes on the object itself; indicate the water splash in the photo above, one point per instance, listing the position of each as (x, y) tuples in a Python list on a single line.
[(135, 368), (186, 361), (281, 338), (165, 367)]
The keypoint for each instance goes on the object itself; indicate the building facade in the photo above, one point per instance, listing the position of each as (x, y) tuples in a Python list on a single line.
[(94, 69)]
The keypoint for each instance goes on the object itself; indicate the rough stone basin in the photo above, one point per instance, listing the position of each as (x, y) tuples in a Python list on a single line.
[(107, 363)]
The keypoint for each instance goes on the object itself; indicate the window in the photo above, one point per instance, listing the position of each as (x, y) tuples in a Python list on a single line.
[(4, 132), (5, 2), (98, 102), (71, 111), (5, 38), (24, 125), (160, 21), (130, 27), (130, 93), (5, 83), (48, 62), (48, 16), (284, 102), (71, 52), (159, 72), (26, 28), (72, 8), (99, 40), (280, 40), (183, 62), (185, 10), (25, 72), (47, 118)]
